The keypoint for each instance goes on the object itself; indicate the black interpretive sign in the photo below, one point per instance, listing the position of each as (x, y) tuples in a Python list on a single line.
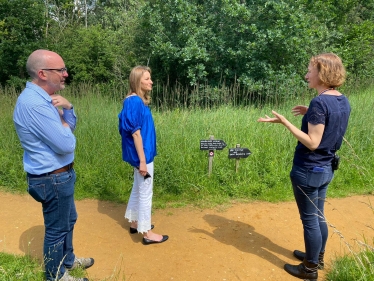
[(239, 152), (212, 144)]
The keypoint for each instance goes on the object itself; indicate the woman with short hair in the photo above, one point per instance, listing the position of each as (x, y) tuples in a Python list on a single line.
[(323, 126)]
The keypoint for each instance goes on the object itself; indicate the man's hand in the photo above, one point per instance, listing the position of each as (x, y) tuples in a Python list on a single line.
[(61, 113), (60, 101)]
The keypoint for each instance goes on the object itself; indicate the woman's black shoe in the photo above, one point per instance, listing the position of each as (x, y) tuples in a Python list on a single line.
[(304, 270), (301, 255), (134, 230), (148, 241)]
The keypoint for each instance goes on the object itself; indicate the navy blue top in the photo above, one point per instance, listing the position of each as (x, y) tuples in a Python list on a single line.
[(135, 115), (333, 112)]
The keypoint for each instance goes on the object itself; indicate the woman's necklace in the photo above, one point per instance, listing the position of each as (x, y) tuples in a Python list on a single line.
[(329, 89)]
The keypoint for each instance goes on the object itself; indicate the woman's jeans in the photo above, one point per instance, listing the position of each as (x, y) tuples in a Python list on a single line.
[(310, 187), (56, 193)]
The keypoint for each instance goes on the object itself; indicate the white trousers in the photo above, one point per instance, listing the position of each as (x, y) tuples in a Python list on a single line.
[(140, 202)]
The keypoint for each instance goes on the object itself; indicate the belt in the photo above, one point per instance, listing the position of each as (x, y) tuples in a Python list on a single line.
[(57, 171)]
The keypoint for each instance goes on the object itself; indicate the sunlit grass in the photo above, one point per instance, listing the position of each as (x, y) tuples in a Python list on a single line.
[(181, 168), (357, 267), (13, 267)]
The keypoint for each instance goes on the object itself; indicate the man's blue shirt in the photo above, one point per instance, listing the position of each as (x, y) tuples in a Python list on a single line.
[(47, 144)]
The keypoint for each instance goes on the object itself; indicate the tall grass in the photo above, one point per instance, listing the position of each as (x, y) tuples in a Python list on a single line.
[(353, 267), (181, 168)]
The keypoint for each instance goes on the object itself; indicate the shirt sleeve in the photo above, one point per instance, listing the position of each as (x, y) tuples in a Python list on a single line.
[(70, 118), (131, 116), (45, 122), (317, 112)]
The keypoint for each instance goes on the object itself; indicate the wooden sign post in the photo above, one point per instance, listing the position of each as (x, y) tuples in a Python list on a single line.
[(238, 153), (211, 145)]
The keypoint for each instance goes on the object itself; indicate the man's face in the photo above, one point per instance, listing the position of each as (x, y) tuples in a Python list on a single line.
[(55, 73)]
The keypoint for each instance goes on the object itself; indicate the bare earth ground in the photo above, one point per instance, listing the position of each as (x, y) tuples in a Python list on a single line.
[(243, 242)]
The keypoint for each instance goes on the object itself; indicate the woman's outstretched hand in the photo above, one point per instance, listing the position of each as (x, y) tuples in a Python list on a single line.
[(299, 110), (277, 119)]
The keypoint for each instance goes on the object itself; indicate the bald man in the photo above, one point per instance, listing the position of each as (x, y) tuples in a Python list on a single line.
[(45, 122)]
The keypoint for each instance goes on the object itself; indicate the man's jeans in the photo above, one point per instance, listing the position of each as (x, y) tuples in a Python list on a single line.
[(56, 193), (310, 187)]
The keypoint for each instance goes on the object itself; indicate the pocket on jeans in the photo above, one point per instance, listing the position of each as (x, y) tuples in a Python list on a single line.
[(37, 192), (64, 178), (317, 178)]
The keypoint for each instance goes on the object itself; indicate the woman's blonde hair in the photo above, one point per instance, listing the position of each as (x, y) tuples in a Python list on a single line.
[(330, 68), (134, 83)]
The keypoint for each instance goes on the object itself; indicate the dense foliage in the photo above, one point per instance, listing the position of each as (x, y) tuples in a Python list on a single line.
[(21, 32), (256, 44)]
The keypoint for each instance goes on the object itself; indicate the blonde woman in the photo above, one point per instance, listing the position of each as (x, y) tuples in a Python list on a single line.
[(138, 133)]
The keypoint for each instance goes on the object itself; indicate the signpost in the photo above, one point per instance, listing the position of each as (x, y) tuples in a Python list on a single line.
[(234, 153), (238, 153), (211, 145)]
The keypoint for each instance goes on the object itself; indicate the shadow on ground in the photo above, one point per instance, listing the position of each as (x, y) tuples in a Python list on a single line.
[(230, 232)]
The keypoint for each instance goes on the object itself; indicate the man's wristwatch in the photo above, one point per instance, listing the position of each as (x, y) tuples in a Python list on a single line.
[(71, 107)]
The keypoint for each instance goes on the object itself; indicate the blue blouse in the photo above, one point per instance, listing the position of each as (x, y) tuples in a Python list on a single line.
[(135, 115), (333, 112)]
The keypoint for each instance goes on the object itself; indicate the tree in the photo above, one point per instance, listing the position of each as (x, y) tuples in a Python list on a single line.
[(19, 35), (88, 53), (228, 40), (102, 52), (256, 43)]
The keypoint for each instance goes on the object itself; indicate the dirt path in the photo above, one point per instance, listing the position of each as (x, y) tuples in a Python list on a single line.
[(244, 242)]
